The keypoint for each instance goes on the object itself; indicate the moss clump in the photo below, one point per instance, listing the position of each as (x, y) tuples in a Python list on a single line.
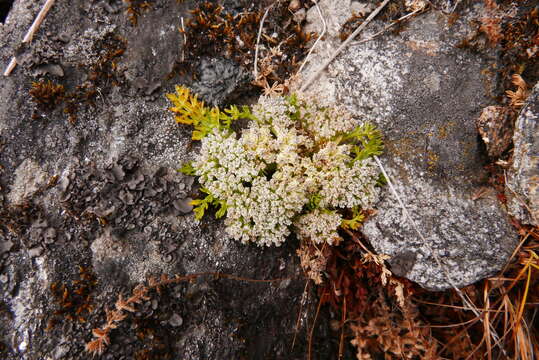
[(47, 95), (214, 31), (74, 302), (100, 77)]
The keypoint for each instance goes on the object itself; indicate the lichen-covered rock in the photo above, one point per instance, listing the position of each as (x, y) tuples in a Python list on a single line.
[(523, 180), (425, 94), (220, 81), (119, 208)]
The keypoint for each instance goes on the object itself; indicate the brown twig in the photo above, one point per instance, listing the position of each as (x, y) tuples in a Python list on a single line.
[(258, 39), (30, 33), (354, 237), (303, 299), (311, 333), (140, 293), (184, 40), (387, 27), (324, 29), (343, 320)]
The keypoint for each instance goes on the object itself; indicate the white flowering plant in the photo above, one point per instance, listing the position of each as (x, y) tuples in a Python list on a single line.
[(299, 166)]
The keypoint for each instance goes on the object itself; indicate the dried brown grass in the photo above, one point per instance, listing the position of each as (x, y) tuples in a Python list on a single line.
[(385, 316), (141, 293), (508, 305), (518, 97)]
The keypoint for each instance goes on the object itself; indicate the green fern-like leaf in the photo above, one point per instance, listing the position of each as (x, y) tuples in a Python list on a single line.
[(222, 209), (201, 205), (233, 113), (314, 201), (190, 111), (367, 139), (187, 109), (187, 168), (355, 222)]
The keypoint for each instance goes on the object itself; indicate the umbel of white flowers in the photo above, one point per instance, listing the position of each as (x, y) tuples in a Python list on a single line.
[(298, 166)]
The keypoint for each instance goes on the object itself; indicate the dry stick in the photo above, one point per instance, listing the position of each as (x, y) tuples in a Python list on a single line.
[(455, 6), (184, 41), (343, 320), (386, 28), (258, 38), (455, 337), (303, 300), (447, 306), (324, 29), (30, 33), (354, 237), (311, 333), (10, 66), (344, 45), (37, 22), (486, 329)]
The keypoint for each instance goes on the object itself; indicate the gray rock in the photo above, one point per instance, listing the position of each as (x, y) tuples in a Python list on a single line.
[(424, 94), (175, 320), (183, 205), (219, 80), (61, 351), (52, 69), (5, 246), (523, 178), (35, 251)]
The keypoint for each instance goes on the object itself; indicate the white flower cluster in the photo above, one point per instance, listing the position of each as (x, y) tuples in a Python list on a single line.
[(224, 166), (288, 155), (319, 226)]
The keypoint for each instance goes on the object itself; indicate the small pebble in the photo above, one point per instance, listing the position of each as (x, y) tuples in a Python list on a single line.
[(175, 320), (294, 5), (35, 251), (300, 15), (183, 205), (5, 246), (49, 236)]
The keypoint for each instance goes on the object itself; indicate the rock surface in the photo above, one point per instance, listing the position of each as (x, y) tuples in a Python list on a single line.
[(90, 209), (523, 181), (425, 94), (96, 207)]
